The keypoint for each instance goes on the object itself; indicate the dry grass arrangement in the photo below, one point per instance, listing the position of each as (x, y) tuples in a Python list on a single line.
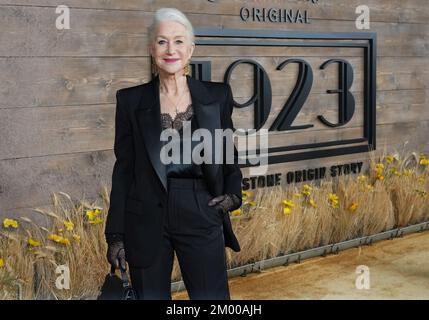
[(271, 222)]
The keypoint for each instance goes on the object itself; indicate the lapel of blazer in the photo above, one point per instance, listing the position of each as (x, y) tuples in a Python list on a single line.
[(148, 115)]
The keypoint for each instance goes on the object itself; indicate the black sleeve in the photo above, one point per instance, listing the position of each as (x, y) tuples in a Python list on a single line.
[(123, 169), (232, 171)]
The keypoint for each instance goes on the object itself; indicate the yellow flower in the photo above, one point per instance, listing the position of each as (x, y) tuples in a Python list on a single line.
[(313, 203), (306, 189), (97, 211), (92, 214), (333, 200), (252, 203), (421, 180), (287, 210), (245, 193), (1, 263), (76, 237), (236, 212), (353, 206), (380, 177), (54, 237), (96, 221), (33, 243), (379, 166), (424, 162), (389, 158), (288, 203), (65, 241), (333, 197), (59, 239), (8, 223), (69, 225), (60, 230)]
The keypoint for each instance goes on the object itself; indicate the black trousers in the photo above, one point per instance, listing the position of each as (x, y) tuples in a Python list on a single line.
[(193, 230)]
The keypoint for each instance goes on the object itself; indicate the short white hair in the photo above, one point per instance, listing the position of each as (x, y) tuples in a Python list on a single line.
[(170, 14)]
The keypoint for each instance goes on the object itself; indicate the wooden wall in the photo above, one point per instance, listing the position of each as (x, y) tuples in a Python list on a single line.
[(57, 87)]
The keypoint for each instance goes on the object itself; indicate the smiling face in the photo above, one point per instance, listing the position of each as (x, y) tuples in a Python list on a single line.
[(171, 48)]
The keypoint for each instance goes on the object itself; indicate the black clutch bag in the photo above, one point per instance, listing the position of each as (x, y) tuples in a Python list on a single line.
[(115, 288)]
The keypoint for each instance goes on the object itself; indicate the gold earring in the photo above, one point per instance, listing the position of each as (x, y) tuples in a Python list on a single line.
[(154, 67), (187, 69)]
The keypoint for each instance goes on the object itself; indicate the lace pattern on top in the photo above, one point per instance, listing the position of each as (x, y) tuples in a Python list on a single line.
[(168, 122)]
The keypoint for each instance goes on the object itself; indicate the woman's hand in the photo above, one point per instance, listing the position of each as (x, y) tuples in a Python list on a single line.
[(226, 202), (116, 251)]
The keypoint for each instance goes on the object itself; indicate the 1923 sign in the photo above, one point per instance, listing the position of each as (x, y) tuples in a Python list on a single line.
[(262, 98)]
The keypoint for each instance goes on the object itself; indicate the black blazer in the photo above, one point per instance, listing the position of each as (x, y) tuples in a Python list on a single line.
[(139, 185)]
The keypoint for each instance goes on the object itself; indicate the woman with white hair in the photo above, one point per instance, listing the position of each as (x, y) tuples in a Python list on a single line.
[(159, 209)]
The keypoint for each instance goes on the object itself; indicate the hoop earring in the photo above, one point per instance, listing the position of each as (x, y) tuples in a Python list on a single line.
[(154, 67), (187, 69)]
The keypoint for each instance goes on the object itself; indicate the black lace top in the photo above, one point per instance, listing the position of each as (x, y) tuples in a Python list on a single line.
[(181, 170), (176, 123)]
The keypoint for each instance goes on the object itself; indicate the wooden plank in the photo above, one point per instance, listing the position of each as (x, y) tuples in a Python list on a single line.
[(79, 81), (26, 131), (414, 11), (31, 31), (70, 129), (29, 182), (67, 81)]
